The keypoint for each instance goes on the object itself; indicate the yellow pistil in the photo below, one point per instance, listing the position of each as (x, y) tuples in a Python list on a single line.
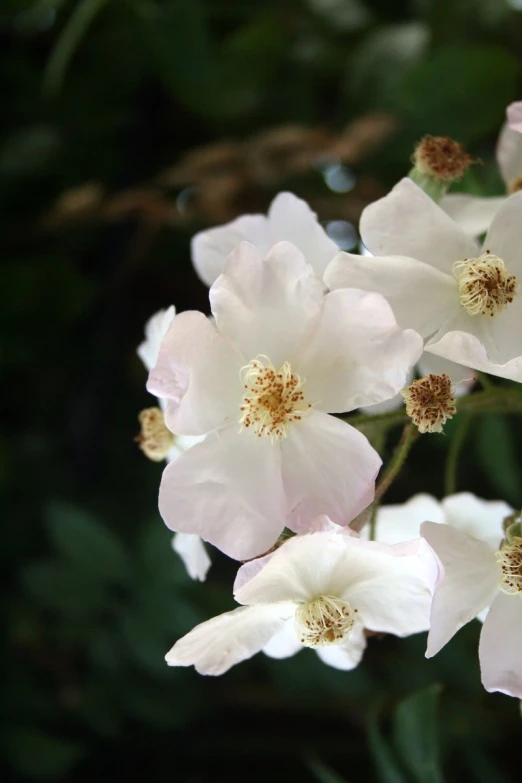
[(485, 285), (430, 402), (325, 621), (155, 440), (509, 558)]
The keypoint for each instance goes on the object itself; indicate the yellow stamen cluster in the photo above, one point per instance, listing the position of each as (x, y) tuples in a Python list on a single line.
[(510, 561), (485, 285), (441, 158), (273, 398), (430, 402), (515, 185), (325, 621), (155, 440)]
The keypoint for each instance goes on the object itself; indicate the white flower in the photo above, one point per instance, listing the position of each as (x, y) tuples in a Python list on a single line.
[(190, 548), (480, 574), (261, 382), (475, 213), (514, 115), (289, 219), (319, 590), (466, 302)]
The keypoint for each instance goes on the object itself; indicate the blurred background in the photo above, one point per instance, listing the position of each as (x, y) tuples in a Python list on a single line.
[(126, 126)]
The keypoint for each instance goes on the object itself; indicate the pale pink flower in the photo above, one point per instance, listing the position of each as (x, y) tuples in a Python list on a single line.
[(320, 590), (260, 382), (465, 301), (289, 219), (514, 115)]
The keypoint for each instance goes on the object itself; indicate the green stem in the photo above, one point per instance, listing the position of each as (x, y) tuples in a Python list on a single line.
[(450, 473)]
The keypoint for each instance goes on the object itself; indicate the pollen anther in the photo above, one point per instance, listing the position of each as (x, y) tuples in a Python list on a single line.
[(273, 398), (155, 440), (485, 285), (430, 402), (325, 621), (509, 557)]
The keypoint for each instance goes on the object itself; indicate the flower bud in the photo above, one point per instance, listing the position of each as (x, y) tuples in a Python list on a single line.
[(441, 158), (155, 440)]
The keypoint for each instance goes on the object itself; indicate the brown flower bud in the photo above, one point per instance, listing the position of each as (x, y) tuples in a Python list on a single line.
[(441, 158)]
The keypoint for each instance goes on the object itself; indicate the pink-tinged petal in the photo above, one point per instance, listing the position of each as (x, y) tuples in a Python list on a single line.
[(285, 642), (479, 518), (348, 655), (407, 222), (218, 644), (401, 522), (155, 330), (292, 220), (267, 306), (500, 647), (198, 372), (514, 116), (192, 551), (509, 154), (357, 354), (468, 584), (462, 378), (472, 213), (504, 237), (421, 297), (328, 468), (211, 248), (227, 490)]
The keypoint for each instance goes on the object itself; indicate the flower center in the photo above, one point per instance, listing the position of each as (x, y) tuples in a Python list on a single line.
[(485, 285), (155, 440), (325, 621), (430, 402), (510, 560), (273, 398), (515, 185)]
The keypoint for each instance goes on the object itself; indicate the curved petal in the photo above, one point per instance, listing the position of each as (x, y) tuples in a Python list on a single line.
[(292, 220), (210, 248), (285, 642), (509, 154), (198, 372), (472, 213), (504, 237), (192, 551), (227, 490), (407, 222), (328, 468), (421, 297), (468, 584), (479, 518), (267, 306), (500, 647), (218, 644), (155, 330), (357, 355), (401, 522), (514, 116), (348, 655)]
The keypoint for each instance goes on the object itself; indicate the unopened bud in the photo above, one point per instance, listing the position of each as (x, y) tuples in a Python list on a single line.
[(441, 158), (155, 440), (430, 402)]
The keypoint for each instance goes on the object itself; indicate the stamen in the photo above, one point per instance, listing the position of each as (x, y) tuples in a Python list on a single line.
[(325, 621), (430, 402), (273, 399), (485, 285), (515, 185), (510, 560), (155, 440)]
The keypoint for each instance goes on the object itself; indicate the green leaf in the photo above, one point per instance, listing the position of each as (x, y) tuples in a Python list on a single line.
[(63, 587), (39, 755), (498, 456), (415, 735), (87, 543), (387, 767), (322, 773)]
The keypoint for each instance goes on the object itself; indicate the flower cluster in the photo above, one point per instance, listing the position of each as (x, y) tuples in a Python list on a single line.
[(263, 460)]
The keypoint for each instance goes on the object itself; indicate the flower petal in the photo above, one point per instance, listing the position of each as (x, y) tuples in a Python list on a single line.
[(401, 522), (155, 330), (479, 518), (407, 222), (192, 551), (357, 355), (292, 220), (210, 248), (198, 373), (504, 237), (468, 584), (348, 655), (472, 213), (285, 642), (421, 296), (267, 306), (514, 116), (218, 644), (227, 490), (328, 468), (509, 154), (500, 648)]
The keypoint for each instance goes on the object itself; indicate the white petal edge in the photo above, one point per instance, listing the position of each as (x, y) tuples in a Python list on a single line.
[(500, 647), (192, 551)]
